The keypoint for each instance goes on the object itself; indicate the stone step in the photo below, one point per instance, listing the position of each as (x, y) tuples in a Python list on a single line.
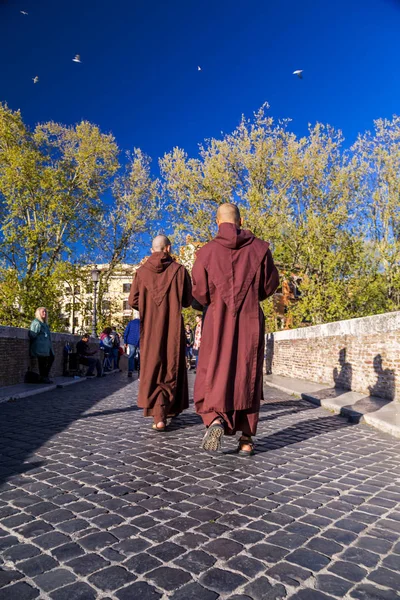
[(377, 412)]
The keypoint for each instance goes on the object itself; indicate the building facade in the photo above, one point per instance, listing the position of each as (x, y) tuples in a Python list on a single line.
[(113, 307)]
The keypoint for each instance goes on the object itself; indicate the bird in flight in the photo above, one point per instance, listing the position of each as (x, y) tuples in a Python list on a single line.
[(23, 12), (77, 58), (299, 73), (35, 79), (199, 68)]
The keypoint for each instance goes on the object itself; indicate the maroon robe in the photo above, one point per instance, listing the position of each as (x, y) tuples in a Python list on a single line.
[(232, 274), (160, 288)]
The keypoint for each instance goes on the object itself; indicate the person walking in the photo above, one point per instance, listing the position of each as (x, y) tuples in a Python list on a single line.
[(40, 345), (107, 341), (160, 289), (85, 357), (189, 345), (231, 275), (197, 339), (132, 345)]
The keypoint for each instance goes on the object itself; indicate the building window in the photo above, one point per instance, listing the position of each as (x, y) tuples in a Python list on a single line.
[(88, 322), (77, 289), (89, 305), (126, 288), (106, 305), (89, 288), (125, 305), (68, 307), (66, 322), (76, 321)]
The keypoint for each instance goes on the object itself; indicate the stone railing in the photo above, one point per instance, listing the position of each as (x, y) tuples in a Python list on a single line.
[(15, 359), (362, 355)]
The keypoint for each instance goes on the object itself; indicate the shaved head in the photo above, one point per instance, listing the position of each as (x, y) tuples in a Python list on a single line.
[(228, 213), (160, 244)]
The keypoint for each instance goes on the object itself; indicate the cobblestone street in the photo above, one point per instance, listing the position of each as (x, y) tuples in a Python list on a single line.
[(94, 504)]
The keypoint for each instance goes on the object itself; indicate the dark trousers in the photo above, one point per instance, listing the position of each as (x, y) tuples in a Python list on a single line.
[(44, 363), (91, 363)]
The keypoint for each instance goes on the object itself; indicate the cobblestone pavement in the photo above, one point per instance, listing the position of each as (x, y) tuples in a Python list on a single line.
[(93, 504)]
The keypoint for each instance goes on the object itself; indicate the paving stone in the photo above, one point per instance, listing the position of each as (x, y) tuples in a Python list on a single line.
[(336, 586), (111, 578), (168, 578), (196, 561), (51, 540), (20, 552), (374, 544), (142, 563), (159, 534), (19, 591), (73, 525), (250, 567), (309, 559), (190, 540), (222, 581), (131, 546), (268, 552), (54, 579), (348, 571), (324, 546), (262, 589), (8, 576), (37, 565), (308, 594), (368, 591), (194, 591), (140, 590), (223, 548), (288, 573), (167, 551), (67, 551), (76, 591), (97, 541), (245, 536), (87, 564), (34, 529), (386, 578), (361, 557)]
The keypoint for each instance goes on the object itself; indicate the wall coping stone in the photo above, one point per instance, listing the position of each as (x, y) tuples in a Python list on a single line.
[(375, 324), (21, 333)]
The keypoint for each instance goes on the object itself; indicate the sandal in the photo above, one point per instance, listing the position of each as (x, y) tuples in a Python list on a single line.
[(246, 442), (159, 429), (213, 437)]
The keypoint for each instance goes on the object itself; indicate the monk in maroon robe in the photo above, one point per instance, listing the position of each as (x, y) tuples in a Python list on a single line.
[(231, 275), (160, 288)]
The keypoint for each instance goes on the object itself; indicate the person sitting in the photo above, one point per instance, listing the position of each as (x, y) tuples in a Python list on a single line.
[(40, 344), (132, 341), (85, 357)]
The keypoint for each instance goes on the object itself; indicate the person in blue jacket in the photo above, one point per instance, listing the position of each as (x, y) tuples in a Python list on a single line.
[(132, 341)]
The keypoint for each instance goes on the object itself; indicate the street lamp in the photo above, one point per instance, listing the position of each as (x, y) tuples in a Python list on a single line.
[(95, 278)]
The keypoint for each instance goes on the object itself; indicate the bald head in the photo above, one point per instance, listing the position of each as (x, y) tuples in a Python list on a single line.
[(161, 244), (229, 213)]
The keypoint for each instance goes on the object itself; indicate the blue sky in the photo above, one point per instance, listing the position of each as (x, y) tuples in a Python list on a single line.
[(139, 77)]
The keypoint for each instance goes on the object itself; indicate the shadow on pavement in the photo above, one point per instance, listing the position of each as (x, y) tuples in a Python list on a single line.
[(27, 424)]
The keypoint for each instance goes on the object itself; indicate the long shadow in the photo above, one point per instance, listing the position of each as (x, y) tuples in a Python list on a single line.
[(301, 432), (385, 386), (27, 424)]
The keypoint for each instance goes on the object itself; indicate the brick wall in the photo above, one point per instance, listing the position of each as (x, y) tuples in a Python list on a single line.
[(14, 354), (362, 355)]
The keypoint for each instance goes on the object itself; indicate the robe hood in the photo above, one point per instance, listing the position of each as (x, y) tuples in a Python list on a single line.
[(157, 274), (158, 262), (231, 237)]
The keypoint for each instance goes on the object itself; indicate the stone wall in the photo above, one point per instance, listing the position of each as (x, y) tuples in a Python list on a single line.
[(362, 355), (14, 354)]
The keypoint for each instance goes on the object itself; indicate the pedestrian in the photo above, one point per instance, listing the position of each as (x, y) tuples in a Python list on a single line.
[(189, 345), (132, 345), (40, 345), (116, 344), (160, 289), (232, 274), (85, 357), (197, 338), (107, 342)]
